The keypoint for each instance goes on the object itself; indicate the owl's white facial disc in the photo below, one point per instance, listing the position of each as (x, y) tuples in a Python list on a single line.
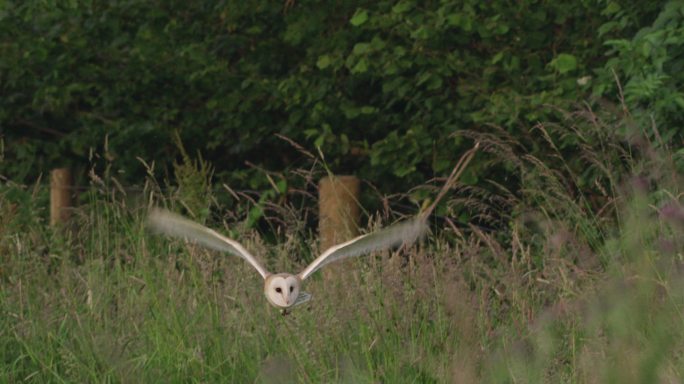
[(282, 289)]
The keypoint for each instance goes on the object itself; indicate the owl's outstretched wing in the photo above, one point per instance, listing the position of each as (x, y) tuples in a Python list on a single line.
[(171, 224), (403, 233)]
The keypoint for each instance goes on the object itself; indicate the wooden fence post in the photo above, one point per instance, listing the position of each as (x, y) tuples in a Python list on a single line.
[(60, 196), (339, 211)]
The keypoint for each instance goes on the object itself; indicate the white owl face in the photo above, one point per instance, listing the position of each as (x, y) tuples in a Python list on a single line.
[(282, 289)]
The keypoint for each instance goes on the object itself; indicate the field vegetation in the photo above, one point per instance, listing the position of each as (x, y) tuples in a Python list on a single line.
[(563, 293), (557, 257)]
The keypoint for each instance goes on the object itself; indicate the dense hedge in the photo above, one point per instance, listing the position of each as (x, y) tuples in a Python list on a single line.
[(380, 86)]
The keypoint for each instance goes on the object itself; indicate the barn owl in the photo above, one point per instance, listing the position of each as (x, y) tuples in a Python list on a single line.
[(283, 290)]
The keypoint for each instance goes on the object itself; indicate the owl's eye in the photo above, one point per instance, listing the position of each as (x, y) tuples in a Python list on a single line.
[(278, 290), (291, 288)]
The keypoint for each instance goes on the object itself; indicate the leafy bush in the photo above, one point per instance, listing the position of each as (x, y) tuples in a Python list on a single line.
[(649, 65), (381, 86)]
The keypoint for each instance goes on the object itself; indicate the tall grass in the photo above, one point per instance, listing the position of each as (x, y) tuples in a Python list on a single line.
[(566, 293)]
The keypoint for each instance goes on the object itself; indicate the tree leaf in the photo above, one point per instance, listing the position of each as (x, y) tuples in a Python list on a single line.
[(361, 48), (323, 61), (564, 63), (361, 66), (367, 110), (360, 17), (402, 6)]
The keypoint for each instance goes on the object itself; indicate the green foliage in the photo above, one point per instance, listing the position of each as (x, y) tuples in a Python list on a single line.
[(649, 66), (134, 72), (381, 87), (408, 76)]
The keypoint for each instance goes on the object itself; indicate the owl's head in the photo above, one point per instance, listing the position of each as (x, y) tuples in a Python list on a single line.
[(282, 289)]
